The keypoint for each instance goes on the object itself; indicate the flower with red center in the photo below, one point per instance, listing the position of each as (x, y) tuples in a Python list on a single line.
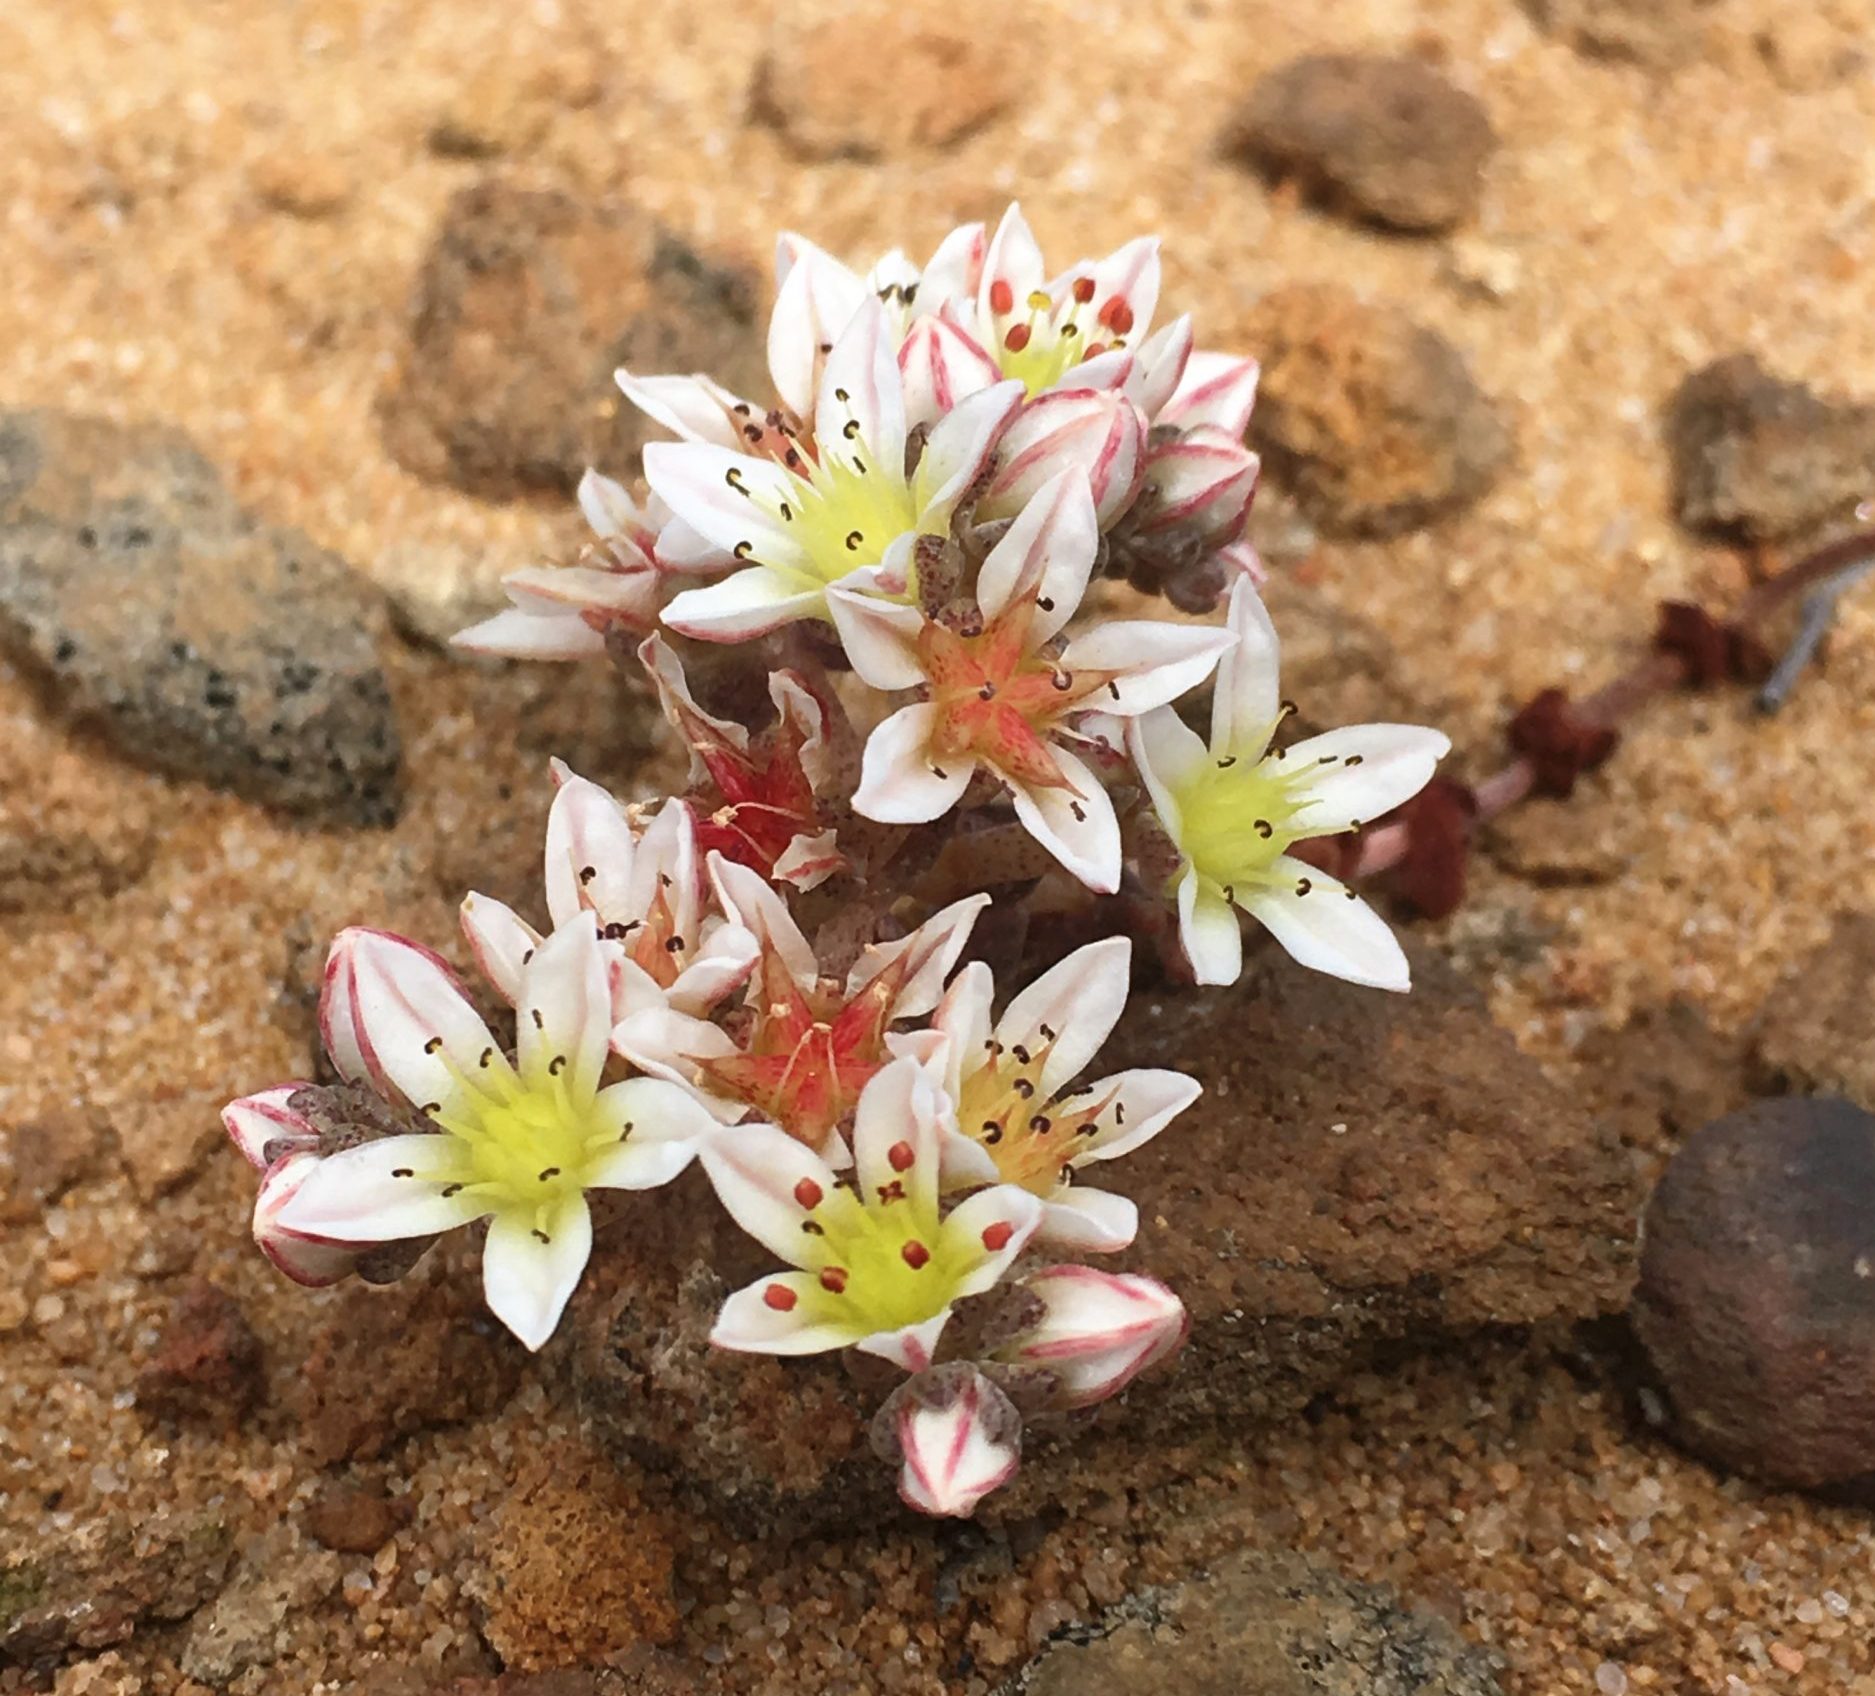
[(1001, 693), (1017, 1115), (879, 1264), (803, 1047), (757, 797)]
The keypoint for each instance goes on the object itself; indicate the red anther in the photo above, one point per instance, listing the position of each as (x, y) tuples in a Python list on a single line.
[(1559, 744), (833, 1280), (901, 1156), (780, 1298), (996, 1237), (916, 1255), (1018, 337), (1002, 296), (1431, 875), (1117, 315), (1083, 289), (808, 1194), (1713, 650)]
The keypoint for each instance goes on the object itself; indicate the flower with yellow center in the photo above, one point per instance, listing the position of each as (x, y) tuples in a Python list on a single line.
[(840, 507), (517, 1141), (1235, 806), (879, 1263), (1018, 1116)]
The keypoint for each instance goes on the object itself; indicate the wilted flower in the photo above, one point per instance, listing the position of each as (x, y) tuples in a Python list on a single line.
[(880, 1265), (1016, 1118), (1234, 808), (999, 693), (518, 1142)]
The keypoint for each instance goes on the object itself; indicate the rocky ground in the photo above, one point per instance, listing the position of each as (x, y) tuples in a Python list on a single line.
[(305, 331)]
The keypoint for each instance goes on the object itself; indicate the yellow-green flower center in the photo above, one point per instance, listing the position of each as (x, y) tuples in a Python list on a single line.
[(1031, 1138), (1237, 817), (845, 514), (522, 1141), (881, 1265)]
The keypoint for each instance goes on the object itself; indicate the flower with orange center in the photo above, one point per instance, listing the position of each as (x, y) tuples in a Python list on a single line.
[(1000, 693), (1019, 1117), (803, 1047)]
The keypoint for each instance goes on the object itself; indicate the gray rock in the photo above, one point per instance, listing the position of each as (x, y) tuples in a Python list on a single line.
[(1266, 1624), (244, 1627), (1760, 458), (198, 640), (1390, 138), (525, 304), (1756, 1300)]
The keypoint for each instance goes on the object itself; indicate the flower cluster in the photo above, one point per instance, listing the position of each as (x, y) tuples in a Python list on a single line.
[(872, 607)]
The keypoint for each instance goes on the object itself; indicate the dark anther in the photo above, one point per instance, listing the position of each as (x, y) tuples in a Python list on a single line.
[(674, 945), (1303, 886), (556, 1065), (1045, 602), (1021, 1052), (402, 1172), (488, 1057), (588, 873), (853, 539), (1048, 1035), (549, 1173), (541, 1237), (1227, 762), (1024, 1088), (742, 550), (433, 1045), (540, 1023), (850, 429), (1264, 829)]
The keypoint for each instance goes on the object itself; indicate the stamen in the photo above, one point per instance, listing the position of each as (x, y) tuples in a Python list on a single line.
[(902, 1157), (556, 1065), (809, 1194), (1083, 289), (433, 1045), (996, 1237), (402, 1172), (542, 1237), (1002, 296), (833, 1280), (780, 1298), (915, 1255), (549, 1173), (1303, 886), (1017, 338)]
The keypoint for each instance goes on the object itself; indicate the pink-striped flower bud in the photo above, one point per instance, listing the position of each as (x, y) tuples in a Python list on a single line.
[(1100, 432), (955, 1436), (1098, 1330), (1200, 482)]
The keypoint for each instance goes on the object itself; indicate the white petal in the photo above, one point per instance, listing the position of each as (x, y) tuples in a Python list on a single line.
[(257, 1123), (1208, 927), (563, 1018), (925, 958), (753, 1321), (589, 851), (514, 634), (808, 861), (759, 1174), (1160, 367), (900, 782), (1168, 754), (414, 1030), (1101, 1329), (380, 1192), (660, 1127), (1391, 763), (982, 1215), (745, 604), (1140, 1103), (1218, 390), (958, 448), (963, 1018), (694, 409), (816, 299), (1047, 552), (953, 270), (309, 1260), (607, 505), (914, 1347), (1076, 825), (752, 902), (526, 1280), (733, 500), (940, 365), (722, 964), (880, 638), (1079, 1000), (1080, 1220), (1014, 258), (500, 939), (1249, 692), (1130, 273), (896, 1133), (861, 386), (1330, 929), (1153, 662)]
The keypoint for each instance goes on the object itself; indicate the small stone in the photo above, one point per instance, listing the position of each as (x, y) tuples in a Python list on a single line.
[(1756, 1300), (1370, 419), (353, 1521), (579, 1568), (1390, 138), (201, 642), (1266, 1624), (1659, 34), (1760, 458), (164, 1144), (879, 79), (1815, 1033), (247, 1626), (208, 1364), (96, 1586), (43, 1158), (299, 183), (526, 303)]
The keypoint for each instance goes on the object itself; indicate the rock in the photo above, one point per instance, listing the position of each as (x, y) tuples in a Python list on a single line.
[(1265, 1624), (1759, 458), (1661, 1076), (1364, 1173), (198, 640), (1756, 1300), (1371, 420), (1558, 847), (208, 1365), (299, 183), (579, 1569), (878, 79), (248, 1624), (526, 303), (166, 1143), (1388, 137), (1660, 34), (507, 103), (353, 1521), (390, 1362), (1815, 1032), (99, 1584), (43, 1158)]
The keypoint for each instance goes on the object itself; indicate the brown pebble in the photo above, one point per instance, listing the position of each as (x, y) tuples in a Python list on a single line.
[(352, 1520), (208, 1365)]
